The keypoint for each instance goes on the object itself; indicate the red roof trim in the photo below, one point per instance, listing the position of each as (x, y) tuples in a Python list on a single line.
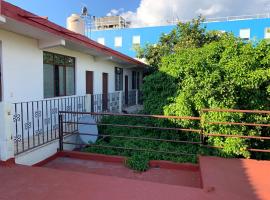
[(24, 16)]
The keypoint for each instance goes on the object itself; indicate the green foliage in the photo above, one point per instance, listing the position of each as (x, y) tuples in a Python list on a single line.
[(140, 151), (195, 69), (213, 70), (138, 162), (185, 35)]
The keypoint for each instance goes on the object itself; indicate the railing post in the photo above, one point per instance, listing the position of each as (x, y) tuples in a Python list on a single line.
[(137, 97), (120, 101), (6, 136), (88, 103), (61, 135)]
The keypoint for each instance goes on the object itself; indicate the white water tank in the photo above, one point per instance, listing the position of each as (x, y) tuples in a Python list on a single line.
[(76, 24)]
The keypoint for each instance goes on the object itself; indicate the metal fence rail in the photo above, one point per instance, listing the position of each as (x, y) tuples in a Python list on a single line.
[(93, 114), (200, 132)]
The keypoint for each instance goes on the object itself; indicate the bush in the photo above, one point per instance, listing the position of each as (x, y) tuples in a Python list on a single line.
[(228, 73), (138, 162)]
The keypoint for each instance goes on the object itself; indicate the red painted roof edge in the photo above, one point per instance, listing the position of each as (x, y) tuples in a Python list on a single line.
[(24, 16)]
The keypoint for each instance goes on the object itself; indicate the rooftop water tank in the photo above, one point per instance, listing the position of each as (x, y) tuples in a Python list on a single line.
[(76, 24)]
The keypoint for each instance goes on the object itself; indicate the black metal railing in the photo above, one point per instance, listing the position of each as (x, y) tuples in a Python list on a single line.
[(130, 98), (36, 123), (181, 135), (105, 102)]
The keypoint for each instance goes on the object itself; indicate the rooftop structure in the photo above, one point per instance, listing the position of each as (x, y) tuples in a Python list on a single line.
[(109, 22)]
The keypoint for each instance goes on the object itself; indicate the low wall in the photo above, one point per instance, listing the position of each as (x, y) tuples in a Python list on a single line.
[(43, 152)]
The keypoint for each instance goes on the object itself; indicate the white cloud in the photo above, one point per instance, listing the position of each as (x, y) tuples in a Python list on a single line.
[(115, 12), (156, 12)]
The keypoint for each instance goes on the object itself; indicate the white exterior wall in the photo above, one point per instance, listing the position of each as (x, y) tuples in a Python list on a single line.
[(23, 69), (22, 73), (85, 63), (22, 79)]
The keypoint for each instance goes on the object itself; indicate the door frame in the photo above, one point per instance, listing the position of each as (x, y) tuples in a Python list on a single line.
[(105, 79), (90, 91), (126, 89)]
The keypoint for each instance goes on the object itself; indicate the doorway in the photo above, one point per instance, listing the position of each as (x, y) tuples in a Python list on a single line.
[(104, 91), (126, 90), (90, 86)]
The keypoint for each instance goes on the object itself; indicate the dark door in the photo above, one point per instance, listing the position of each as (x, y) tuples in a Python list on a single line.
[(90, 87), (105, 91), (126, 90), (89, 82)]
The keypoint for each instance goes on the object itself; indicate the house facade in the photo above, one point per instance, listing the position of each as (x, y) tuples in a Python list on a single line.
[(46, 68)]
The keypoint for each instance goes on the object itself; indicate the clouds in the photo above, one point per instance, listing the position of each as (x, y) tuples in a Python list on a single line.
[(156, 12), (115, 12)]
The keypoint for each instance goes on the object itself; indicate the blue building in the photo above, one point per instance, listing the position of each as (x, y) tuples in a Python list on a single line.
[(125, 39)]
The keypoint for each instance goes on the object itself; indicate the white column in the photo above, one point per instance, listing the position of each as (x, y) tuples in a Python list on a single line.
[(6, 136), (120, 101), (88, 103), (137, 97)]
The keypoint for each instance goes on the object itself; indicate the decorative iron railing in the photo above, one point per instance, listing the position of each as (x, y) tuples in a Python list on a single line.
[(35, 123)]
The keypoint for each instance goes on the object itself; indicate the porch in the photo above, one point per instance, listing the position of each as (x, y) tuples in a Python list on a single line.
[(34, 125)]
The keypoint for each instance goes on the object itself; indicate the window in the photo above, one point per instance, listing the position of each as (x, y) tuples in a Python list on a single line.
[(118, 79), (118, 41), (136, 40), (58, 75), (267, 33), (101, 41), (135, 80), (245, 34)]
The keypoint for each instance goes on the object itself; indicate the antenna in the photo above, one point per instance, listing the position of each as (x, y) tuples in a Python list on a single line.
[(88, 20), (84, 11)]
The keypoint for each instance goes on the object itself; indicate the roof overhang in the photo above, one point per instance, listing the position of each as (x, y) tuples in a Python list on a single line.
[(51, 35)]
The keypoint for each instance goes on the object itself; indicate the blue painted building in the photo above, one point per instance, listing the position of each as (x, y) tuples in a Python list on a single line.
[(125, 39)]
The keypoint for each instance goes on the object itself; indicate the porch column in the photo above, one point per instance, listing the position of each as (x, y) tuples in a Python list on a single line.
[(6, 136), (137, 97), (120, 101), (88, 103)]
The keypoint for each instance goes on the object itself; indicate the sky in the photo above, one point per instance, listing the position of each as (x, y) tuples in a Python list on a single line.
[(144, 12)]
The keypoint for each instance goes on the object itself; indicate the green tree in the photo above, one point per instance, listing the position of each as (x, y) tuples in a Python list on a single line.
[(213, 70), (185, 35)]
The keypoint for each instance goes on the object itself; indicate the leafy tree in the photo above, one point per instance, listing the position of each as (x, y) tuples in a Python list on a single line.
[(185, 35), (195, 69), (224, 72)]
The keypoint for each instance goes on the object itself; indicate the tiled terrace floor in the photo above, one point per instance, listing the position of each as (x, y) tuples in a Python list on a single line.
[(189, 178), (222, 179)]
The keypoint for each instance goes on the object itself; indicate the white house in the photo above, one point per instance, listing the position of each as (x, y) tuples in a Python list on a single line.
[(46, 68)]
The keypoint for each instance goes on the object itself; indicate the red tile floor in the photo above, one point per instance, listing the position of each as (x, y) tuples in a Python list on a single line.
[(74, 179)]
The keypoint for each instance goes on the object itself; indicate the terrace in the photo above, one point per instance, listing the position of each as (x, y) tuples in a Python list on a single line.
[(83, 175)]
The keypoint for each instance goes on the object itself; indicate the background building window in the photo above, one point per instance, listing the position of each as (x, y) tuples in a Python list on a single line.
[(118, 41), (267, 33), (118, 79), (136, 41), (135, 80), (58, 75), (101, 41), (245, 34)]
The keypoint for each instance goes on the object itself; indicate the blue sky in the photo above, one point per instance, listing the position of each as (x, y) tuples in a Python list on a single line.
[(59, 10), (145, 12)]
